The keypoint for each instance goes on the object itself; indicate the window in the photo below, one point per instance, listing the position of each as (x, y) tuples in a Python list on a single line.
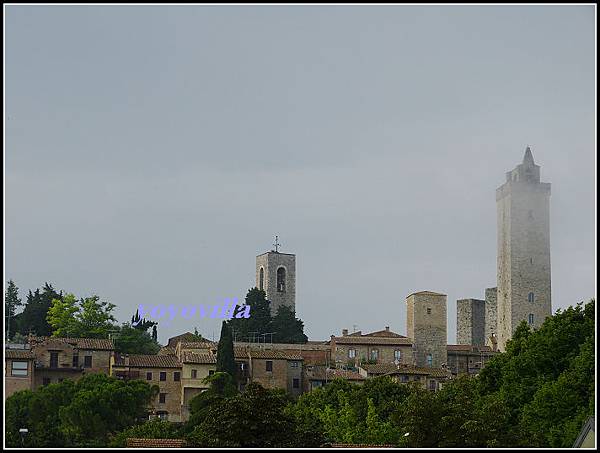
[(261, 279), (374, 354), (163, 415), (281, 280), (269, 365), (428, 310), (194, 374), (242, 387), (432, 384), (404, 378), (162, 397), (87, 361), (416, 378), (75, 360), (163, 375), (398, 355), (296, 383), (530, 297), (531, 319), (429, 360), (53, 359), (177, 376), (294, 364), (46, 381), (149, 376), (211, 372), (19, 369), (351, 353)]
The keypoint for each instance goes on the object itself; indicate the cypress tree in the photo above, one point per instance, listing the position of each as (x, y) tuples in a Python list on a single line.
[(225, 356)]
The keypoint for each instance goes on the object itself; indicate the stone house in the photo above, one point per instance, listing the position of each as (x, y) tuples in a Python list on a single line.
[(428, 378), (468, 359), (195, 367), (164, 371), (19, 370), (383, 346), (57, 358), (319, 375)]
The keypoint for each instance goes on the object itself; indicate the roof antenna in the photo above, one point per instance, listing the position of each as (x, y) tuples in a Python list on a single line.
[(277, 244)]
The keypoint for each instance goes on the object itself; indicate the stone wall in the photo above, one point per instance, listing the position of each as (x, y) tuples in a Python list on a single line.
[(491, 317), (470, 322)]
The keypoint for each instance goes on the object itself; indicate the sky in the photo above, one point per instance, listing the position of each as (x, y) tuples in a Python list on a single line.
[(151, 152)]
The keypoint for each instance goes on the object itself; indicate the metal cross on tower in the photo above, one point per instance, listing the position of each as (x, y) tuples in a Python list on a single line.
[(277, 244)]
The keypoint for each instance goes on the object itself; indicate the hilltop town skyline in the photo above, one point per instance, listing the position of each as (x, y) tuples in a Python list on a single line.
[(156, 167)]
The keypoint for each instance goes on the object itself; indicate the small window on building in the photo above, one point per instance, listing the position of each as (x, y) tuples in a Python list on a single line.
[(149, 376), (87, 361), (269, 365), (351, 353), (177, 376), (194, 374), (242, 387), (211, 372), (428, 310), (162, 398), (374, 354), (416, 378), (429, 360), (163, 415), (404, 378), (530, 297), (432, 384), (398, 355), (281, 280), (531, 319), (296, 383), (294, 364), (261, 279), (75, 360), (53, 359), (19, 369), (163, 375)]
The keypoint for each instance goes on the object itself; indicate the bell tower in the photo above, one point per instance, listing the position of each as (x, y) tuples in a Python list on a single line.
[(276, 276)]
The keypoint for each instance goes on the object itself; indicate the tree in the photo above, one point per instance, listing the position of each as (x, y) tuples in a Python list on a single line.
[(33, 317), (221, 388), (259, 322), (288, 328), (130, 340), (11, 302), (89, 317), (254, 418), (225, 354), (143, 324), (152, 429)]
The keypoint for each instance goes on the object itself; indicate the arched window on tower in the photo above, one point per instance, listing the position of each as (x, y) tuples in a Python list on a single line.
[(261, 279), (281, 280), (530, 319), (530, 297)]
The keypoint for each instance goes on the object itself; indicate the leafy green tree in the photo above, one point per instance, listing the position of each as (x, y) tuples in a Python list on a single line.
[(225, 355), (87, 317), (254, 418), (130, 340), (221, 388), (152, 429), (137, 322), (11, 303), (259, 322), (287, 328)]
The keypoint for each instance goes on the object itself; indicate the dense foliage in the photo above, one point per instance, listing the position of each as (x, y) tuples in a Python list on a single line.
[(82, 413), (262, 325)]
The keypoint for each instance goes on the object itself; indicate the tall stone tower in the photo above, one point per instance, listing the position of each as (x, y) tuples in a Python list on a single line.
[(426, 325), (470, 321), (491, 318), (523, 205), (276, 275)]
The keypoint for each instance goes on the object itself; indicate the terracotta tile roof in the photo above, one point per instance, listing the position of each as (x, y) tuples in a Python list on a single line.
[(166, 350), (242, 353), (468, 348), (155, 443), (187, 336), (198, 345), (358, 446), (424, 371), (192, 357), (426, 293), (348, 339), (321, 373), (24, 354), (95, 344), (378, 368), (385, 334), (310, 346), (149, 361)]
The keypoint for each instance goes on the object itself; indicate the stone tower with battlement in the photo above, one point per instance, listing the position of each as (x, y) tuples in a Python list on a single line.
[(426, 324), (276, 275), (524, 286)]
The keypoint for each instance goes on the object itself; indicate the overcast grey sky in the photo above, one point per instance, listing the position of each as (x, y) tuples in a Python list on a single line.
[(152, 152)]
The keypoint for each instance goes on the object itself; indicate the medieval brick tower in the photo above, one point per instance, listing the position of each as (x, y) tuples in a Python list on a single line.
[(523, 206), (276, 275)]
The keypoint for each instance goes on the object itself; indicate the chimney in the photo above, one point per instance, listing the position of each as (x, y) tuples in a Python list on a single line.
[(387, 328), (344, 332), (126, 359)]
